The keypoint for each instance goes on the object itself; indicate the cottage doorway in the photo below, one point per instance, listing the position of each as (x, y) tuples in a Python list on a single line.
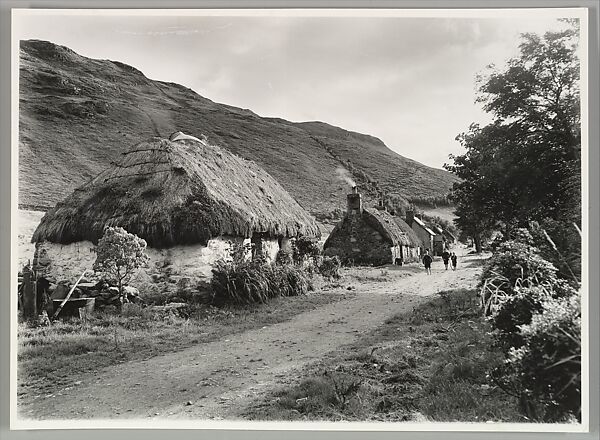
[(256, 241)]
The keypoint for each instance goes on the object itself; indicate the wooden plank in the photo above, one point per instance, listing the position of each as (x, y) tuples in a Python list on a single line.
[(64, 301)]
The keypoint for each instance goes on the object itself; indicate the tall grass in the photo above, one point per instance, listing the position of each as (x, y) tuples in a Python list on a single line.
[(250, 282)]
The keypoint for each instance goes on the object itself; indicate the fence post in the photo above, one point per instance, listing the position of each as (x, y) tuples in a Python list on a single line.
[(29, 296)]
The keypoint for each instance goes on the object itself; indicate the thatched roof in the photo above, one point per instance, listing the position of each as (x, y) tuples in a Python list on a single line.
[(437, 230), (410, 233), (180, 192), (420, 222), (386, 224), (449, 235)]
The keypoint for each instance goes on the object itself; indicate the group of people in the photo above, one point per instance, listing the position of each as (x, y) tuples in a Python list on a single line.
[(447, 257)]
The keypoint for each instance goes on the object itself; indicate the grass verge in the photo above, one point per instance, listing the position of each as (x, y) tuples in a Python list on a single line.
[(428, 365), (52, 357)]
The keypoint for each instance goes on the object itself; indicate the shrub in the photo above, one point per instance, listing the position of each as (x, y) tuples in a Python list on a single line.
[(304, 247), (514, 311), (291, 280), (119, 255), (283, 257), (560, 243), (517, 263), (536, 319), (546, 369), (154, 294), (241, 281), (191, 293), (330, 267)]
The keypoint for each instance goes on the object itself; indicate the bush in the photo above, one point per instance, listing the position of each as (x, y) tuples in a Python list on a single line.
[(330, 267), (560, 243), (536, 318), (243, 283), (283, 257), (546, 369), (154, 294), (516, 310), (304, 247), (119, 255), (291, 280), (240, 281), (191, 293), (517, 263)]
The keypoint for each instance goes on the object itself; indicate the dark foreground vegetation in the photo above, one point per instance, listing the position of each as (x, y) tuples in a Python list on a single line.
[(536, 316)]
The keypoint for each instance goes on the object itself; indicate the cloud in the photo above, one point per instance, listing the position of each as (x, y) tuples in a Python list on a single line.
[(160, 33)]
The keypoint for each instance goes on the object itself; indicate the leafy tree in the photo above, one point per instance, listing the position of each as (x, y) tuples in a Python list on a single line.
[(525, 165), (119, 254)]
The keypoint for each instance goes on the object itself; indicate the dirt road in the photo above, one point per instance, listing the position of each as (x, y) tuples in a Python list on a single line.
[(214, 380)]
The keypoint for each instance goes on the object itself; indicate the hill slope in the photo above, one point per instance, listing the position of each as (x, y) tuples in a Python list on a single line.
[(77, 115)]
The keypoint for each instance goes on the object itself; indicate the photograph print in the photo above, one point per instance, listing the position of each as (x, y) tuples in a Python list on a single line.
[(240, 217)]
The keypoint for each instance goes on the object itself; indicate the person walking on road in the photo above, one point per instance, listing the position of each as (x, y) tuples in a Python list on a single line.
[(446, 257), (427, 260), (453, 259)]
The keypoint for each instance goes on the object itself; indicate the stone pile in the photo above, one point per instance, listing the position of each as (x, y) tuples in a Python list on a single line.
[(103, 293)]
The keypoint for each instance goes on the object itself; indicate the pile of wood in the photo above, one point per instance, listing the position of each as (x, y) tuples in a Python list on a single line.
[(103, 293), (63, 299)]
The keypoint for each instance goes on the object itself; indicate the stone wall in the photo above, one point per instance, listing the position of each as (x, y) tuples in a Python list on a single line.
[(270, 247), (410, 254), (67, 262), (192, 261), (423, 235), (357, 242), (64, 262)]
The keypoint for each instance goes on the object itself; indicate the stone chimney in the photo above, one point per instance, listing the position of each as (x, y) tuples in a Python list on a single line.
[(354, 201), (410, 216)]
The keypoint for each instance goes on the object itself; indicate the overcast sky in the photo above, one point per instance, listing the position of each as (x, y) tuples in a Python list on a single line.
[(408, 81)]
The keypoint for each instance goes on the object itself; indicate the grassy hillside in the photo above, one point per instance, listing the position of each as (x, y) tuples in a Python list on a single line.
[(77, 115)]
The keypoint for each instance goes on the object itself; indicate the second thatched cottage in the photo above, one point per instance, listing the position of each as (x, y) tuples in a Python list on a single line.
[(189, 200), (425, 234), (371, 236)]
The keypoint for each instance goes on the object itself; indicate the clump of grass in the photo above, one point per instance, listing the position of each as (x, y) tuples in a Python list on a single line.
[(239, 280), (251, 282), (324, 396)]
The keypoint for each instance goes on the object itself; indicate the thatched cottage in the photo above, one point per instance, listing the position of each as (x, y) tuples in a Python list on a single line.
[(449, 236), (189, 200), (370, 236), (425, 234), (439, 241)]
